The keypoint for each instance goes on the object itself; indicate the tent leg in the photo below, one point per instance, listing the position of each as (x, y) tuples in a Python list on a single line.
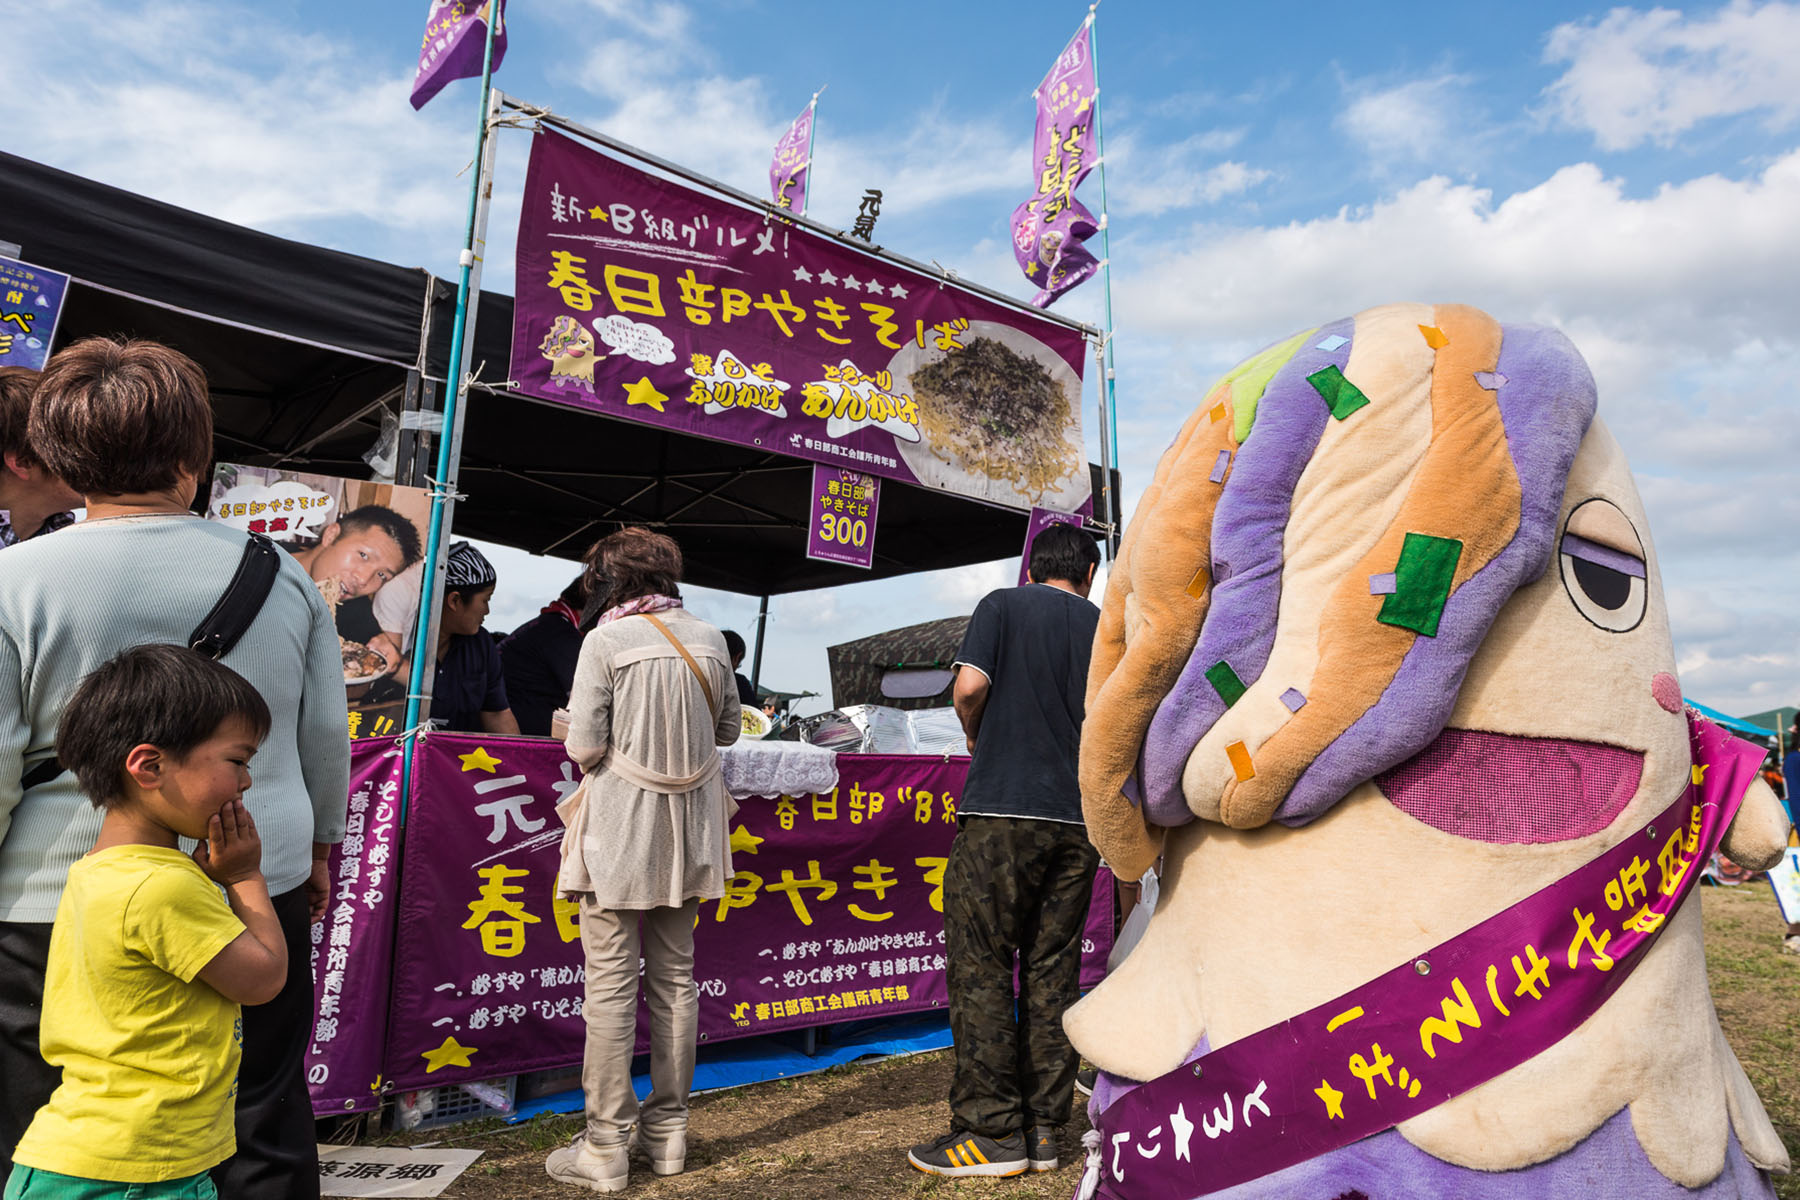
[(762, 625)]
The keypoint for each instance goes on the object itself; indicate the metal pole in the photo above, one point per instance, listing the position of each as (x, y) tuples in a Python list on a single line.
[(1109, 441), (450, 442), (812, 130), (762, 624)]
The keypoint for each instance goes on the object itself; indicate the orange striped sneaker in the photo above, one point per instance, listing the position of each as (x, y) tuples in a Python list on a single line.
[(960, 1152)]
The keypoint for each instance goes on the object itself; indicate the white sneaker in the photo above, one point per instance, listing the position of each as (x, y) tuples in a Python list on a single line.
[(583, 1163), (667, 1152)]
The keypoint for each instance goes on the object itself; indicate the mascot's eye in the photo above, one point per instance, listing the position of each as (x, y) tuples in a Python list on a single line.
[(1602, 562)]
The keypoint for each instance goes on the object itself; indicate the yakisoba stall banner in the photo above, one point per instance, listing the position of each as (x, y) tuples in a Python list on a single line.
[(834, 912), (661, 304), (352, 948)]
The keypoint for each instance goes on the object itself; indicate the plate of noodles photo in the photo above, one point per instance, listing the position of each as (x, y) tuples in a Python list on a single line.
[(999, 419)]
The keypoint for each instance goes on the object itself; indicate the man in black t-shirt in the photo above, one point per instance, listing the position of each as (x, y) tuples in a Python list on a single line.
[(1021, 870)]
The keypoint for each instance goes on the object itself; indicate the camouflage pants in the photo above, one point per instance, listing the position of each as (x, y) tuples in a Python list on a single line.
[(1014, 886)]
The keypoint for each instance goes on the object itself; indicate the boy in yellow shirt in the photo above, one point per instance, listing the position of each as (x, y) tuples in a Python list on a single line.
[(149, 962)]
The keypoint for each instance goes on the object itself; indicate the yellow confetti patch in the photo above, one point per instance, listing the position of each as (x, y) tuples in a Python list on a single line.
[(1218, 412), (1434, 337), (1198, 584)]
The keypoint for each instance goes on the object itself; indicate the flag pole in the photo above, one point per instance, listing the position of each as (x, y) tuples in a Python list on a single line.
[(812, 131), (1110, 438), (443, 483)]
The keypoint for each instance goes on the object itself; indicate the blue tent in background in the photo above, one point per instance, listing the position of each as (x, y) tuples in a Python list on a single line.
[(1732, 723)]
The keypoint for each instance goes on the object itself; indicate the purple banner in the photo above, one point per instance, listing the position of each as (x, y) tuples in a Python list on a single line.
[(1049, 228), (352, 949), (834, 912), (454, 43), (1460, 1014), (653, 302), (844, 504), (1042, 519), (792, 164), (31, 300)]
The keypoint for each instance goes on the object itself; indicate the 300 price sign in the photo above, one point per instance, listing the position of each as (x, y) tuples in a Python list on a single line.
[(844, 504)]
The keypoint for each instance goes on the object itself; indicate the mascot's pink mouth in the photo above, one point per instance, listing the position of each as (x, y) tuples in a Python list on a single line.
[(1495, 787)]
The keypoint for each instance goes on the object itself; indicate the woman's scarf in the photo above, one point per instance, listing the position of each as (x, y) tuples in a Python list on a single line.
[(643, 604)]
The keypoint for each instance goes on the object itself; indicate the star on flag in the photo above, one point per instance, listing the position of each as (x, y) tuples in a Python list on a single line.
[(479, 759), (644, 392)]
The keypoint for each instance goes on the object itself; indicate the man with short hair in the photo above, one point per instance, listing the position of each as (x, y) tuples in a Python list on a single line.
[(1021, 870), (362, 550), (539, 657), (32, 501)]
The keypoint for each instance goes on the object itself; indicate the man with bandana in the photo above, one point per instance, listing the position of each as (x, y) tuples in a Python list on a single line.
[(470, 692)]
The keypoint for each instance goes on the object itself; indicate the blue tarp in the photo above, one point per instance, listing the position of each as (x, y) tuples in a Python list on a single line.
[(779, 1056), (1731, 723)]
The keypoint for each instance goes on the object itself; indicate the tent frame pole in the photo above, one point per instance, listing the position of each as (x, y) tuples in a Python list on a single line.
[(462, 345), (762, 625)]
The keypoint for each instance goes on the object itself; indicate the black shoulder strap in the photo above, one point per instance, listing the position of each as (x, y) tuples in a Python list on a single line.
[(232, 616)]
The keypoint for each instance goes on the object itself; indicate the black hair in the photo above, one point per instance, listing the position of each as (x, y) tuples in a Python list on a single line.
[(380, 516), (576, 595), (468, 591), (165, 696), (1063, 552), (734, 643)]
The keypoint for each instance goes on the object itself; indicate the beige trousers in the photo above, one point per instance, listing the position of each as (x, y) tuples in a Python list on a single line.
[(611, 940)]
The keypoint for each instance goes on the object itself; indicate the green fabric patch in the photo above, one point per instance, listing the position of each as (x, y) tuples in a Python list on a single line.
[(1250, 378), (1225, 681), (1422, 580), (1340, 395)]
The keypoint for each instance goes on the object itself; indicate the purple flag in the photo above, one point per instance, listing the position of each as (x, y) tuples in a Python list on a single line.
[(455, 39), (1048, 229), (793, 162)]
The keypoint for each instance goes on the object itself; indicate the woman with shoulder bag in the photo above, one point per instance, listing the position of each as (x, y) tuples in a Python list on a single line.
[(128, 424), (647, 840)]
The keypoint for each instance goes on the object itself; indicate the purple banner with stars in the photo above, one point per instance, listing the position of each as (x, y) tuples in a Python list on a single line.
[(844, 506), (1460, 1014), (1049, 229), (352, 948), (454, 44), (653, 302), (792, 162), (834, 912), (31, 301)]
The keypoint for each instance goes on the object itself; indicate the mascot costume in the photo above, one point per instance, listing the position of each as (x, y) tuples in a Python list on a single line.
[(1384, 679)]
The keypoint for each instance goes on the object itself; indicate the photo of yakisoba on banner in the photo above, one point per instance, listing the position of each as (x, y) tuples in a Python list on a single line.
[(1003, 409)]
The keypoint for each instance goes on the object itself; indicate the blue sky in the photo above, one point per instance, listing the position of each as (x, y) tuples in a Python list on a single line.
[(1632, 174)]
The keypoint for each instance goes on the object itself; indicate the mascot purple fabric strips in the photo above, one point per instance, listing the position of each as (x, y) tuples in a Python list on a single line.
[(1384, 655)]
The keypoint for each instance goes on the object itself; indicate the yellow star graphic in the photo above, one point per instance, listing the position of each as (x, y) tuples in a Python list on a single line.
[(1334, 1100), (745, 842), (479, 759), (644, 392), (450, 1054), (599, 214), (1700, 773)]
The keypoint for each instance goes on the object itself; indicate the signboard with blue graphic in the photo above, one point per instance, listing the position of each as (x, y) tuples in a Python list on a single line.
[(31, 300)]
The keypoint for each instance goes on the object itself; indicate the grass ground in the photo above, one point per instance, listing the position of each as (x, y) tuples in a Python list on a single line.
[(845, 1132)]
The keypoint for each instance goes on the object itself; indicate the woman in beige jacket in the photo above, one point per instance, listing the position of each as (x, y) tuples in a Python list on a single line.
[(653, 700)]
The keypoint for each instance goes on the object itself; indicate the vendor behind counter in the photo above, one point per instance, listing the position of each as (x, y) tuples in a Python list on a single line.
[(469, 694), (538, 660)]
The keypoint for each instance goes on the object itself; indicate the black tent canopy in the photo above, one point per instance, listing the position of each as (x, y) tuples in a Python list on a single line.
[(305, 346)]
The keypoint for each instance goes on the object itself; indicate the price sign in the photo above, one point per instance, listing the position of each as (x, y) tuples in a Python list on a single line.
[(843, 507)]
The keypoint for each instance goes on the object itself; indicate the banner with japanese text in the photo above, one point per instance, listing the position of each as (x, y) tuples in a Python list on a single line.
[(792, 162), (1049, 228), (834, 913), (352, 949), (1041, 519), (654, 302), (31, 301), (454, 44), (844, 508)]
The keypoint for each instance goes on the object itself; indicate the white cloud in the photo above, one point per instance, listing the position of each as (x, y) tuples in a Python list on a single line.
[(1413, 121), (1637, 76), (1150, 180)]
